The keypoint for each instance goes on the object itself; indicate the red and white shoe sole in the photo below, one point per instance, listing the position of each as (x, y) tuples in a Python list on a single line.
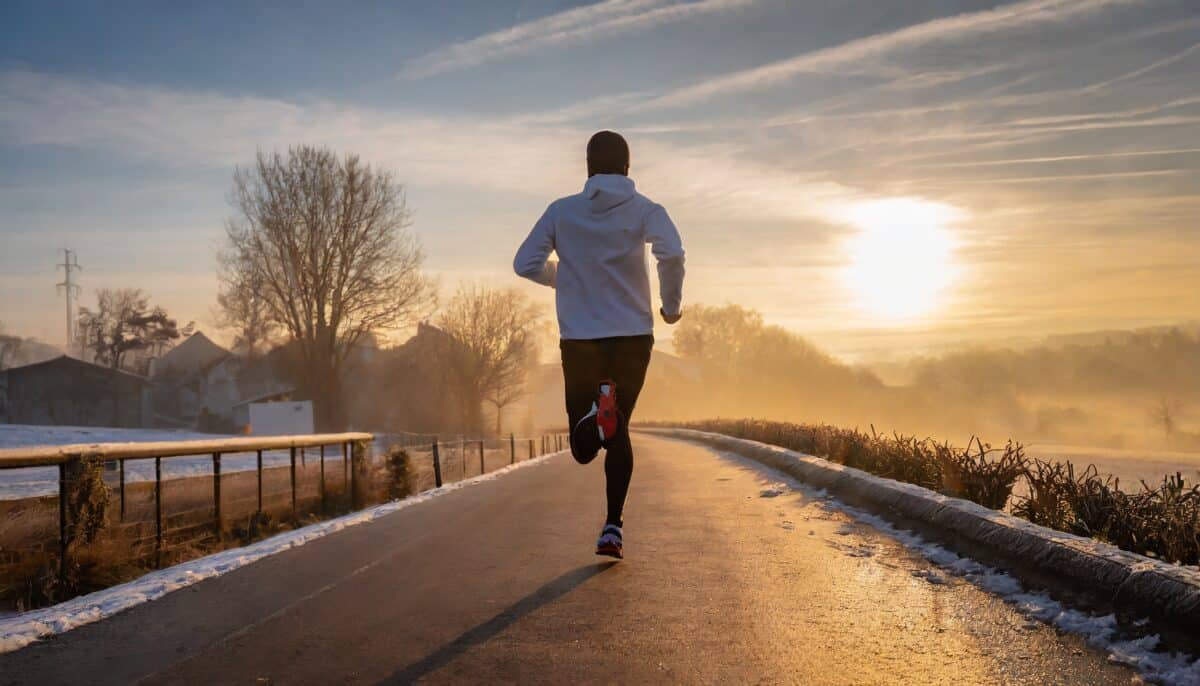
[(610, 551)]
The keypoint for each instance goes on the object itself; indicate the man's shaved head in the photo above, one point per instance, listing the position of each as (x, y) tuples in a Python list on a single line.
[(607, 153)]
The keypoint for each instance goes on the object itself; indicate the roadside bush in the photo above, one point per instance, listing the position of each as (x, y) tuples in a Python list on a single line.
[(979, 476), (399, 471), (1161, 522)]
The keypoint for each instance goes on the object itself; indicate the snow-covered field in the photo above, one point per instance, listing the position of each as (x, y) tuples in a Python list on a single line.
[(31, 482)]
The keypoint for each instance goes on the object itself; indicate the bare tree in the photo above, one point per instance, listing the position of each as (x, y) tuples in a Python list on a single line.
[(494, 334), (242, 309), (324, 243), (124, 322), (10, 349), (1165, 415)]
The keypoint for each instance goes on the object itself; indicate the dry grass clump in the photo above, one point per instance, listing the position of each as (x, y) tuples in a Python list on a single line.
[(34, 581), (985, 476), (1161, 522)]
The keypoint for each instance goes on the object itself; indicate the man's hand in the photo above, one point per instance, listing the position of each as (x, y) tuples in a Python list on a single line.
[(670, 318)]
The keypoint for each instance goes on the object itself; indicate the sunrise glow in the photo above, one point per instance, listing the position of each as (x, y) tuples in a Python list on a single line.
[(901, 256)]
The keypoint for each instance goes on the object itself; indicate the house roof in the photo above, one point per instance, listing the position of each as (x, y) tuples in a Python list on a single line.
[(266, 396), (196, 353), (65, 361)]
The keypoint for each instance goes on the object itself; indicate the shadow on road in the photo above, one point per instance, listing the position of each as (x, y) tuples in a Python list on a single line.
[(548, 593)]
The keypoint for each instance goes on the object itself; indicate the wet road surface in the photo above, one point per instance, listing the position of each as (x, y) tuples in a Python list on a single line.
[(725, 581)]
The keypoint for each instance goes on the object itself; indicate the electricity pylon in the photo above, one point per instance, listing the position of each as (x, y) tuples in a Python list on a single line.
[(70, 265)]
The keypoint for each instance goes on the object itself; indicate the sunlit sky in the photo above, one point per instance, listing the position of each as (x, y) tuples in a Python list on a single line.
[(881, 177)]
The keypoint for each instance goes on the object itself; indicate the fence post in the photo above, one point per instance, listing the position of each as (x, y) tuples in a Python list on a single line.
[(62, 523), (322, 478), (437, 466), (512, 449), (121, 463), (356, 457), (216, 459), (158, 532), (531, 456), (260, 482), (346, 471), (295, 514), (481, 467)]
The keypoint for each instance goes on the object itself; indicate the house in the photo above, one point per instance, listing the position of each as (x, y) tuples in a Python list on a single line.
[(68, 392), (195, 385), (200, 385)]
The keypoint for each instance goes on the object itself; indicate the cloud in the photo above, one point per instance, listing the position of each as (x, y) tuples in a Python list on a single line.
[(1061, 158), (459, 154), (582, 24), (958, 27)]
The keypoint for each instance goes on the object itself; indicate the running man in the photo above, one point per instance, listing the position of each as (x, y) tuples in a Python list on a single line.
[(602, 296)]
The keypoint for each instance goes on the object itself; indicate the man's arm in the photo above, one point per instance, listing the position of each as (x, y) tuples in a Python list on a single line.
[(668, 250), (532, 260)]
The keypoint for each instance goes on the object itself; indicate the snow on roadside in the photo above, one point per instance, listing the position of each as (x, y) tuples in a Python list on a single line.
[(1099, 631), (20, 630)]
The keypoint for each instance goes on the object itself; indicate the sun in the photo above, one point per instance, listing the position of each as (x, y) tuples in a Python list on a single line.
[(901, 256)]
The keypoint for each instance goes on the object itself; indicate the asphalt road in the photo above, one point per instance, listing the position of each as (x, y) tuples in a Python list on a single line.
[(496, 583)]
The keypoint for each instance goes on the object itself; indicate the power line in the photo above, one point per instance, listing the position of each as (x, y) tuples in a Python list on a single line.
[(70, 265)]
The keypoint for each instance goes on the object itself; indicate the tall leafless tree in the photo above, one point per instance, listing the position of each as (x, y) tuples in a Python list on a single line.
[(325, 242), (494, 335)]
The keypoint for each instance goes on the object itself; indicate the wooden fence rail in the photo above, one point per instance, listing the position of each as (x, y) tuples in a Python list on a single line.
[(354, 446)]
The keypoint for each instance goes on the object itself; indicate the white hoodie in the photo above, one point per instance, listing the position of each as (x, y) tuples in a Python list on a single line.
[(601, 284)]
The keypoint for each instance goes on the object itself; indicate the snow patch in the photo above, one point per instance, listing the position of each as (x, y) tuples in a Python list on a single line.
[(20, 630), (1100, 632), (773, 491)]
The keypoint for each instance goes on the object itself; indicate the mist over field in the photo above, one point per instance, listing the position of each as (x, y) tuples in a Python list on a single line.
[(1113, 389)]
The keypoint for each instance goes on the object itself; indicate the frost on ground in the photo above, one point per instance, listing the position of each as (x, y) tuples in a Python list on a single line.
[(38, 481), (1101, 632), (21, 630)]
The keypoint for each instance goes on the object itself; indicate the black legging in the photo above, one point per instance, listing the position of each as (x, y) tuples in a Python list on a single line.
[(585, 364)]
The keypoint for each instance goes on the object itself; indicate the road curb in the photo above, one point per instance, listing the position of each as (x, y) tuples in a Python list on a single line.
[(1081, 566)]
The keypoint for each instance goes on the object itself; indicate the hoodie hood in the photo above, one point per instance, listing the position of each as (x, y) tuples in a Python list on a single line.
[(606, 191)]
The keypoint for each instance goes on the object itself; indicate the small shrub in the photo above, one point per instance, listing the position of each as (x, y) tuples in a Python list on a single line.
[(399, 473), (1049, 500), (979, 477)]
